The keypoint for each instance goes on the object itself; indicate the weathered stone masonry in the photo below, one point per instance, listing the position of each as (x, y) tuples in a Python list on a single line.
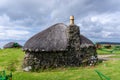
[(65, 48)]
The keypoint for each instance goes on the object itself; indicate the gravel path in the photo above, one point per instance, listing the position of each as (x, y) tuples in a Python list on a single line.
[(108, 57)]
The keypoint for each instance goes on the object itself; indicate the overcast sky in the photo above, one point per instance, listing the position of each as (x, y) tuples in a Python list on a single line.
[(99, 20)]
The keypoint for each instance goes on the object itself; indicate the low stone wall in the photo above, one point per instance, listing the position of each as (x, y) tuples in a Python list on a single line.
[(45, 60), (89, 55)]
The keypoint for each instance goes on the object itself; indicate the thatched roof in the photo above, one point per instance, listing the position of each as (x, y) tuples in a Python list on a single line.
[(55, 38), (85, 42), (12, 45), (52, 39)]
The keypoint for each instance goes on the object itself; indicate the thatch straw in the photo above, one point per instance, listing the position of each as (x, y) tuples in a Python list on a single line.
[(55, 38), (85, 42), (52, 39)]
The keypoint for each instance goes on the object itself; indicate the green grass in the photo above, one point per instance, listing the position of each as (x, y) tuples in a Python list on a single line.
[(115, 56), (107, 51), (11, 59)]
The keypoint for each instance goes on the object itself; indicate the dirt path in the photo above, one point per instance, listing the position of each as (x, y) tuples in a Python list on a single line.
[(105, 56), (108, 57)]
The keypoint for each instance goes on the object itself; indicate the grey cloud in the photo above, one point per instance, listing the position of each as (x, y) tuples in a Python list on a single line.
[(101, 26), (36, 15), (38, 11)]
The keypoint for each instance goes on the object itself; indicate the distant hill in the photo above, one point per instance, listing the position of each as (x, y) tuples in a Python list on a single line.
[(112, 43)]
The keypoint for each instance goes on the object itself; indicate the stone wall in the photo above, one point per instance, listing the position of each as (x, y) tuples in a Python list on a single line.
[(74, 42), (89, 55), (43, 60), (74, 37)]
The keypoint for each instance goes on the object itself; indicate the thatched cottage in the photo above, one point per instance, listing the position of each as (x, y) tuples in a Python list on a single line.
[(12, 45), (58, 46)]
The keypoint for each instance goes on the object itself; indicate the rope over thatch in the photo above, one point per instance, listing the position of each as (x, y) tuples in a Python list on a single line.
[(52, 39)]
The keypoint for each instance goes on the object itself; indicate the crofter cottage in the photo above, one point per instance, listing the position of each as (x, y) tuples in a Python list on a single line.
[(58, 46), (12, 45)]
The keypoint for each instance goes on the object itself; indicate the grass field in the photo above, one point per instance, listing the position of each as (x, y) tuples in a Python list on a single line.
[(107, 51), (11, 60)]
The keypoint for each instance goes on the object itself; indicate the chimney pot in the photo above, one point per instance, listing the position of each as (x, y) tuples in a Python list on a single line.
[(71, 20)]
